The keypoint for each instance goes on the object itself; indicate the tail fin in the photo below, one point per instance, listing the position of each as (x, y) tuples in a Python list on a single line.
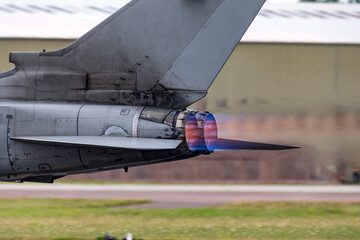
[(149, 48), (201, 61)]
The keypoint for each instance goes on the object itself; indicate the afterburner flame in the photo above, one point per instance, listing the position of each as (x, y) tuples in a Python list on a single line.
[(210, 132), (192, 132), (201, 132)]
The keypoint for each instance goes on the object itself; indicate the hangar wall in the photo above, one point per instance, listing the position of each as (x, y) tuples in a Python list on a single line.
[(303, 93), (287, 77)]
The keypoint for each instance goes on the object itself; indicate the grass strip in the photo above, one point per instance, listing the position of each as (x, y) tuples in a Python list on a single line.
[(40, 219)]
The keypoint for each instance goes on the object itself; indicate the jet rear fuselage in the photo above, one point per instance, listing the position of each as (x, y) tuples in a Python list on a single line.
[(22, 160)]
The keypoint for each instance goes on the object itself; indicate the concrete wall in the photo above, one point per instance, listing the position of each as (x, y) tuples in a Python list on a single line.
[(301, 94)]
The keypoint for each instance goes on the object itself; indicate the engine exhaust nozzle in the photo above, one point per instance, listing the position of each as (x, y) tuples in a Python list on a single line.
[(192, 132)]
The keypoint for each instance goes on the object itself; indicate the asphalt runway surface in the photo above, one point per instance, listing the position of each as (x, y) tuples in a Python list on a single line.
[(185, 196)]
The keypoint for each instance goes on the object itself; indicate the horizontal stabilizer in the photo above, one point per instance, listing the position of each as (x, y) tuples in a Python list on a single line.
[(227, 144), (103, 142)]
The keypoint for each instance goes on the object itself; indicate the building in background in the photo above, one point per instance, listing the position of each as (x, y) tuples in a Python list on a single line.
[(294, 78)]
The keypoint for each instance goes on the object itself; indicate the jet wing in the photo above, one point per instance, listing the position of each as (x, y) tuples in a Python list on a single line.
[(103, 142)]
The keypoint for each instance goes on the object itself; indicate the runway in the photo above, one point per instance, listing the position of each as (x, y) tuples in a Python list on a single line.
[(185, 196)]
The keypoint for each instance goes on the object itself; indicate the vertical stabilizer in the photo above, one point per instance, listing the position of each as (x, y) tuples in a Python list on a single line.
[(199, 64)]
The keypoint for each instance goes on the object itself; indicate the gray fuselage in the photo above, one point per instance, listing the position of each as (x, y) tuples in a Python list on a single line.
[(21, 160)]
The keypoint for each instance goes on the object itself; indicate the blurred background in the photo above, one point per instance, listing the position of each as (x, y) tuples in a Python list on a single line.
[(293, 79)]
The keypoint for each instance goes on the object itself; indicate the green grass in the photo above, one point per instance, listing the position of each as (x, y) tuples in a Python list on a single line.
[(30, 219)]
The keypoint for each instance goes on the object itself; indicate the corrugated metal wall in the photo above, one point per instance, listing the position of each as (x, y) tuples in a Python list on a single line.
[(302, 94), (285, 77)]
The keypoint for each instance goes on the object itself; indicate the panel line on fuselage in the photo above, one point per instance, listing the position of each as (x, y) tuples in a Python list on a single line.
[(135, 124), (9, 117), (77, 133)]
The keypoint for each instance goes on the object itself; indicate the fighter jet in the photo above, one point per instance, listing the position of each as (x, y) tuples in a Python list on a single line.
[(117, 97)]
